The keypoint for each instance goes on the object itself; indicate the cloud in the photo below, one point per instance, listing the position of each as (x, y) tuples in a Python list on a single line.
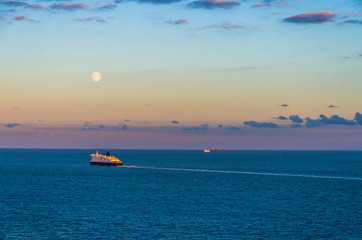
[(312, 17), (102, 127), (12, 125), (107, 7), (335, 119), (35, 6), (295, 119), (86, 124), (261, 5), (127, 120), (296, 125), (213, 4), (232, 128), (153, 1), (284, 105), (14, 4), (352, 21), (68, 7), (23, 18), (226, 25), (281, 118), (332, 106), (90, 19), (312, 123), (202, 127), (177, 22), (90, 129), (354, 14), (358, 118), (220, 126), (175, 122), (262, 124)]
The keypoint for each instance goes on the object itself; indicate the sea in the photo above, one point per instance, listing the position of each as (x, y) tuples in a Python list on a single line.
[(181, 194)]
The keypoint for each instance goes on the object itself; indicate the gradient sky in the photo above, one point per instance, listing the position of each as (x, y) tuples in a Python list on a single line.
[(267, 74)]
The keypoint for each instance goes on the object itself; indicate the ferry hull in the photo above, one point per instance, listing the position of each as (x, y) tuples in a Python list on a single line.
[(105, 164)]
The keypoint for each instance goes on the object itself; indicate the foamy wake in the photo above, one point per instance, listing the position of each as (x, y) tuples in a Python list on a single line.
[(247, 173)]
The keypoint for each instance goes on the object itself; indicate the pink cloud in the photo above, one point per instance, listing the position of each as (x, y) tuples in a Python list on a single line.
[(35, 6), (68, 7), (23, 18), (312, 17), (261, 5), (107, 7)]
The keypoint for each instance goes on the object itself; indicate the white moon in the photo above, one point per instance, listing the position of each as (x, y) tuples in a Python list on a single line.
[(96, 76)]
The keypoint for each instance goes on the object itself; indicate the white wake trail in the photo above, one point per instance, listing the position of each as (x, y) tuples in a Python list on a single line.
[(247, 173)]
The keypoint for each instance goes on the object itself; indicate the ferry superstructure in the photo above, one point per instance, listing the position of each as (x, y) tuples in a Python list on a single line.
[(207, 150), (108, 160)]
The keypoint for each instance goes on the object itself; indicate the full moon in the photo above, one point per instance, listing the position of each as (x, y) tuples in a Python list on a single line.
[(96, 76)]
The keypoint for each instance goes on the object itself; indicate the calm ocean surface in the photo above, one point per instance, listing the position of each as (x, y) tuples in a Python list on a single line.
[(55, 194)]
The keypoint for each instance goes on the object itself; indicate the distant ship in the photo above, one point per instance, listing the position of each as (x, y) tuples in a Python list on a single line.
[(108, 160), (206, 150)]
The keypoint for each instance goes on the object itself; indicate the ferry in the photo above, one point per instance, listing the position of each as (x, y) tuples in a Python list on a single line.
[(108, 160), (207, 150)]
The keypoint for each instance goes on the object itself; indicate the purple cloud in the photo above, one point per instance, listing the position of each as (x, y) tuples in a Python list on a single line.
[(261, 124), (204, 126), (68, 7), (312, 123), (335, 119), (295, 119), (35, 6), (14, 4), (226, 25), (261, 5), (281, 118), (12, 125), (107, 7), (177, 22), (23, 18), (358, 118), (352, 21), (153, 1), (90, 19), (175, 122), (213, 4), (296, 125), (232, 128), (102, 127), (332, 106), (312, 17)]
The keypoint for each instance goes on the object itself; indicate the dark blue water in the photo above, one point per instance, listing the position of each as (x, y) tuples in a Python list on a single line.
[(55, 194)]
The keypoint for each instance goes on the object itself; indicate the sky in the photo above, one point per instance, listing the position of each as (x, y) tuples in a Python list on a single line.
[(181, 74)]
